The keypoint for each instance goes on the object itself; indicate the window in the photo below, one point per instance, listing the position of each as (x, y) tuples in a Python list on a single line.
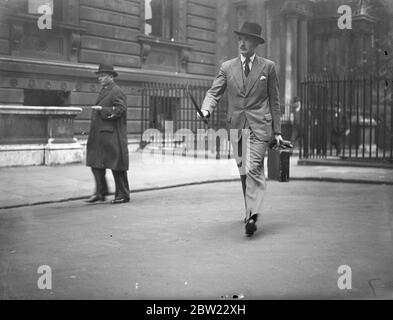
[(161, 18), (163, 27)]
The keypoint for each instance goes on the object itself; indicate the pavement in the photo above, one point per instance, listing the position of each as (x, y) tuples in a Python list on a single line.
[(34, 185), (325, 234)]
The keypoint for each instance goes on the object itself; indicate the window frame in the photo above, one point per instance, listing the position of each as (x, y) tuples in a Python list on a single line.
[(152, 45), (170, 28)]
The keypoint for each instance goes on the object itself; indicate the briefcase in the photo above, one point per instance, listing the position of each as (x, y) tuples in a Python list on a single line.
[(278, 164)]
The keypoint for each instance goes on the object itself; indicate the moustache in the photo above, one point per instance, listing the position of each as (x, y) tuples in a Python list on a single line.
[(243, 48)]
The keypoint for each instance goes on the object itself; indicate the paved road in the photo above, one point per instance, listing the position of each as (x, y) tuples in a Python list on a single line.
[(21, 186), (189, 243)]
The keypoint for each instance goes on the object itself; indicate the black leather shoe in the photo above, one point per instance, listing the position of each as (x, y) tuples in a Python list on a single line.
[(120, 200), (95, 198), (251, 227)]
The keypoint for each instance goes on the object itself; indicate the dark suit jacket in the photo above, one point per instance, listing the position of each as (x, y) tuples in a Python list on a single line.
[(255, 99), (107, 145)]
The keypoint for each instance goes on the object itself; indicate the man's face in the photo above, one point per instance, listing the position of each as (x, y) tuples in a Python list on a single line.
[(247, 45), (105, 78)]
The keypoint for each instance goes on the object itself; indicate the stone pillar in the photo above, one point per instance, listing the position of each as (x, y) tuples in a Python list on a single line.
[(303, 50), (225, 36), (294, 15), (268, 31), (291, 58)]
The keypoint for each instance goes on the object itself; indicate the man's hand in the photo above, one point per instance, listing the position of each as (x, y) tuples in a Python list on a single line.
[(278, 139), (96, 107), (205, 114)]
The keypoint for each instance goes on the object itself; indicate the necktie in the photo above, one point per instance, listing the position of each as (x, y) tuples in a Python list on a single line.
[(247, 67)]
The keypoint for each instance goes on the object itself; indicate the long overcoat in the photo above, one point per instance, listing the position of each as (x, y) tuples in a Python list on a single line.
[(107, 145)]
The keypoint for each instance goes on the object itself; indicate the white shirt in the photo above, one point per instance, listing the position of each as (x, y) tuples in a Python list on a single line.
[(243, 59)]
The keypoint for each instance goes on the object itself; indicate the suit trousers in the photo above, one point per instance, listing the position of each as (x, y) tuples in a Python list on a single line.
[(121, 183), (249, 152)]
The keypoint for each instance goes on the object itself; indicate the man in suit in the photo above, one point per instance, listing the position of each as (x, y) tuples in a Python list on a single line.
[(253, 113), (107, 145)]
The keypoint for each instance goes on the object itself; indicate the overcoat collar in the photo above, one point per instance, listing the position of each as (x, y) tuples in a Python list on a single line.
[(104, 91)]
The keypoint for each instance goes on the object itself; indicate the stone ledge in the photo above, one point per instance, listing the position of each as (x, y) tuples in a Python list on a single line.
[(40, 154), (18, 110), (37, 124), (62, 153)]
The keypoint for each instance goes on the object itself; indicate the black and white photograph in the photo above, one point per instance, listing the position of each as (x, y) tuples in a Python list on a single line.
[(218, 152)]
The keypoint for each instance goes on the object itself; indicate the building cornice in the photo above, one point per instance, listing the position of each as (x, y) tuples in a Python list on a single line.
[(84, 70)]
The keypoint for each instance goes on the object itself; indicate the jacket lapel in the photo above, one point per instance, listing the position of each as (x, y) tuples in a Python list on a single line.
[(256, 70), (238, 74)]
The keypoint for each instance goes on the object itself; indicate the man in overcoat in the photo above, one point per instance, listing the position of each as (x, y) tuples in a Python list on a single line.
[(107, 146), (253, 107)]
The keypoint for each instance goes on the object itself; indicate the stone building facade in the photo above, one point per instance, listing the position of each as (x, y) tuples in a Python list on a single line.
[(162, 41)]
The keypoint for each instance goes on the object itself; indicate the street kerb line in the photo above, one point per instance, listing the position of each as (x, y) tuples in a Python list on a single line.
[(186, 184), (341, 180)]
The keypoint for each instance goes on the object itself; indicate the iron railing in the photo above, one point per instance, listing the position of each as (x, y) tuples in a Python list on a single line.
[(168, 107), (346, 118)]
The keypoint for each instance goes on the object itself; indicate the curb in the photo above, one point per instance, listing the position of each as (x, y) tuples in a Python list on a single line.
[(345, 163), (133, 191), (186, 184), (340, 180)]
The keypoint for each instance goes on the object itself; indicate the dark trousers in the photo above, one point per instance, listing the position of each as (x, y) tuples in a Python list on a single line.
[(121, 183)]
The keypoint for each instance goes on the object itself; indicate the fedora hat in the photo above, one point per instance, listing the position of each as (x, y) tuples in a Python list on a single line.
[(251, 29), (107, 68)]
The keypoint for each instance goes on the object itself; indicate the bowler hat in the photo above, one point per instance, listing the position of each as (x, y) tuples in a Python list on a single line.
[(107, 68), (251, 29)]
